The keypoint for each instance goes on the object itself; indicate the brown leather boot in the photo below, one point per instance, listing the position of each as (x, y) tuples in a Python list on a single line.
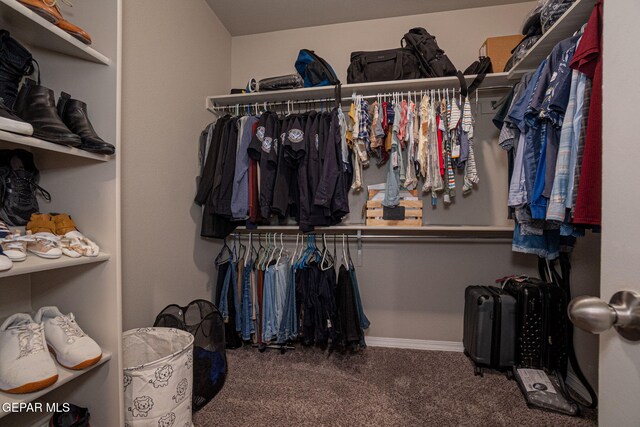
[(50, 11)]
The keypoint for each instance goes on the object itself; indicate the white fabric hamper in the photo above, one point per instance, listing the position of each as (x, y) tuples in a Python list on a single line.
[(158, 377)]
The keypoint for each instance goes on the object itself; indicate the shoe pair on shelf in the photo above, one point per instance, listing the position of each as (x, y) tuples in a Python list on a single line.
[(33, 109), (57, 234), (50, 11), (65, 123), (25, 363), (47, 236)]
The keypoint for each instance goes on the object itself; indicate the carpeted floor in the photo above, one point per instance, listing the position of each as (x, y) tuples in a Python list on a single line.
[(380, 387)]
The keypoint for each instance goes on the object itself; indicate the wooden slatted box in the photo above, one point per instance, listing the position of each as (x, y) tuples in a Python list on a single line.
[(413, 211)]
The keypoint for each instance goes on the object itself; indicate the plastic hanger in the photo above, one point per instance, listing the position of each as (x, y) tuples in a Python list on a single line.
[(344, 252), (221, 258), (326, 262), (349, 255)]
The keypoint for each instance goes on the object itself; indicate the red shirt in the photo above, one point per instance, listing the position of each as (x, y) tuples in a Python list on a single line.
[(588, 60)]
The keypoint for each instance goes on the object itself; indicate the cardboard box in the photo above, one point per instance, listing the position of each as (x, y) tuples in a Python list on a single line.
[(499, 50)]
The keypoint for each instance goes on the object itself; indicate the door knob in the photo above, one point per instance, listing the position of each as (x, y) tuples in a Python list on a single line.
[(596, 316)]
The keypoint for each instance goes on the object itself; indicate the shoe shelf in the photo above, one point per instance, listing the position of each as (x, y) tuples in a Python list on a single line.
[(22, 140), (64, 376), (34, 264), (574, 18), (30, 28)]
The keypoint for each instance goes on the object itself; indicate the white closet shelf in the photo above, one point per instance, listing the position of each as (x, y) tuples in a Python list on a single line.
[(574, 18), (21, 140), (34, 264), (425, 230), (64, 376), (490, 80), (28, 27)]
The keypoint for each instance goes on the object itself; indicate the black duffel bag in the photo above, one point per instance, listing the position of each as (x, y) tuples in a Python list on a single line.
[(382, 65), (433, 61)]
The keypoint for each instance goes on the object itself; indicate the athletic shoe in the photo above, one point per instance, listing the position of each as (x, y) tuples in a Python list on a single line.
[(25, 365), (11, 123), (5, 259), (43, 242), (75, 417), (19, 186), (71, 347), (73, 243), (13, 245)]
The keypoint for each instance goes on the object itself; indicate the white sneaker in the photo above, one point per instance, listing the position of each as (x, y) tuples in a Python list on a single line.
[(5, 263), (25, 364), (5, 260), (12, 123), (14, 246), (45, 245), (71, 347)]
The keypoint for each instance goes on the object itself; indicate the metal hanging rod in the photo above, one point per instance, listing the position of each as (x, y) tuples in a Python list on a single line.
[(384, 95), (398, 237)]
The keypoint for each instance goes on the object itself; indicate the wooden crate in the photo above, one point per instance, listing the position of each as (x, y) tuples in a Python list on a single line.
[(413, 212)]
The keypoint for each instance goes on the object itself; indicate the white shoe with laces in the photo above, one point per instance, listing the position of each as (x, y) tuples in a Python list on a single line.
[(25, 363), (71, 347), (45, 245), (5, 260), (14, 246)]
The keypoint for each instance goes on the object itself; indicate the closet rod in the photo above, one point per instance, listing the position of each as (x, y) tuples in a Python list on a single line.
[(469, 238), (343, 99)]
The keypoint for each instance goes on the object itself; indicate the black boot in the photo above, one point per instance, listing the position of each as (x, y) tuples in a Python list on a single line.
[(74, 115), (37, 105), (15, 62)]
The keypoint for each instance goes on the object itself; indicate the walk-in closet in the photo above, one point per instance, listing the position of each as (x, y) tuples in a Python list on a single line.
[(355, 212)]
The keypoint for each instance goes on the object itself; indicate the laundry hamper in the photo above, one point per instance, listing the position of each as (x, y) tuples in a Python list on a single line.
[(203, 320), (157, 377)]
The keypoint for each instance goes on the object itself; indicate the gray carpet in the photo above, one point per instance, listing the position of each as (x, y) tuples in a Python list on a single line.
[(379, 387)]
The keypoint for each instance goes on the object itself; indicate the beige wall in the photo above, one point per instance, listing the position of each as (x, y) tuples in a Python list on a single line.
[(460, 33), (173, 55)]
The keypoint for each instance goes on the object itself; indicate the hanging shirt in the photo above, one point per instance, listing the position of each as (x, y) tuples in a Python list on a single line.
[(240, 197), (470, 170), (588, 59)]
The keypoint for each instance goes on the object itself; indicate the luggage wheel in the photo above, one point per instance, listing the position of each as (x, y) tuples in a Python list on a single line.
[(478, 371)]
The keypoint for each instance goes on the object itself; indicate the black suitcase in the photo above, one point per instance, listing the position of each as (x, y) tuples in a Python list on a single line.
[(489, 328), (542, 324)]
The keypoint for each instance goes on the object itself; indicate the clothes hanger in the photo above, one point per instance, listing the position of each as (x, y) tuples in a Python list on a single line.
[(326, 262), (351, 267), (221, 259), (344, 252)]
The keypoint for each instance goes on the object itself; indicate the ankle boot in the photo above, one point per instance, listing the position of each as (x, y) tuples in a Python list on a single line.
[(74, 115), (15, 62), (37, 105)]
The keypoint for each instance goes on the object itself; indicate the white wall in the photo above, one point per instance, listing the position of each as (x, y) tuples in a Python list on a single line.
[(460, 33), (173, 55)]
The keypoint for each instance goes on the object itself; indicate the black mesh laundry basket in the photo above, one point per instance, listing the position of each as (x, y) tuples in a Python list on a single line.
[(203, 320)]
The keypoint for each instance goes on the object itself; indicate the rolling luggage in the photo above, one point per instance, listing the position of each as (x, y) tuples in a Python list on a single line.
[(542, 324), (489, 328)]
